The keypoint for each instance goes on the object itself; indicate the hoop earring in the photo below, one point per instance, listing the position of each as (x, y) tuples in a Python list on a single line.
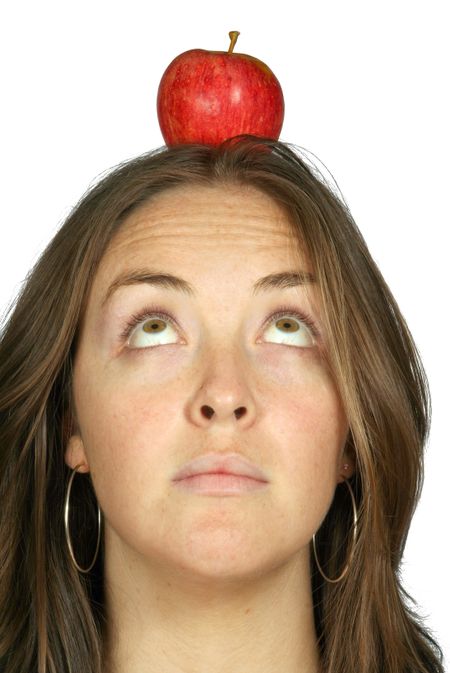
[(66, 525), (355, 529)]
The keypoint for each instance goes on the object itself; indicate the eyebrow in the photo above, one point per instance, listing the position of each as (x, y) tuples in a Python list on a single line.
[(274, 281)]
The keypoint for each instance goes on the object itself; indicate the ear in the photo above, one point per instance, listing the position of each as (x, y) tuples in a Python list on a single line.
[(347, 462), (76, 455)]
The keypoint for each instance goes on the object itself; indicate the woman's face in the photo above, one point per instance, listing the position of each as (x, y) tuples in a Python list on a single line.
[(142, 405)]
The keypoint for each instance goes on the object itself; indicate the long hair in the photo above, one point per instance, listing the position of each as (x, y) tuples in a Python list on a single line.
[(52, 618)]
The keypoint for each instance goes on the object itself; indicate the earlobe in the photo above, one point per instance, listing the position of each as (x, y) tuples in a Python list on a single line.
[(347, 464), (76, 455), (347, 470)]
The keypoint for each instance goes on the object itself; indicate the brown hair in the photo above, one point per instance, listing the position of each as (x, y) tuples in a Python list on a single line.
[(52, 618)]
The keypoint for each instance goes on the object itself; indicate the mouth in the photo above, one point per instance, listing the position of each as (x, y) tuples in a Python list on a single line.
[(219, 474), (221, 465), (220, 484)]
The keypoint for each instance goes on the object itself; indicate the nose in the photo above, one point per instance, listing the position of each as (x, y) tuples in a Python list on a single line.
[(222, 394), (208, 412)]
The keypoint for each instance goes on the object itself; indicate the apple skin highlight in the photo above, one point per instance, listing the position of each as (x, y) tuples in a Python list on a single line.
[(209, 96)]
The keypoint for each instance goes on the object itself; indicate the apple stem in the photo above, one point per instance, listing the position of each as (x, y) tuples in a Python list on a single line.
[(234, 34)]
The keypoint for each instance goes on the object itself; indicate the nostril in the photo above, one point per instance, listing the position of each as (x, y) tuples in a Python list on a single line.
[(207, 411)]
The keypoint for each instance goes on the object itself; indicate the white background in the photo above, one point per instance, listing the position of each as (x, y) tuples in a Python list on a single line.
[(366, 90)]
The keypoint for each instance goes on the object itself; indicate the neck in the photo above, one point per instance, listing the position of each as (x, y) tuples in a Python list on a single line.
[(178, 621)]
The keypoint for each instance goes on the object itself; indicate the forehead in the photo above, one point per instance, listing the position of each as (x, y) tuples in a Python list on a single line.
[(208, 219), (210, 235), (225, 243)]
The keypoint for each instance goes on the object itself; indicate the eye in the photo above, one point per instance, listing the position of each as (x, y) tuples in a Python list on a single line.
[(155, 327), (293, 328), (154, 330)]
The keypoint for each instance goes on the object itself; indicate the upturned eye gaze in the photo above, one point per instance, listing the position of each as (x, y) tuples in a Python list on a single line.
[(294, 328), (152, 326)]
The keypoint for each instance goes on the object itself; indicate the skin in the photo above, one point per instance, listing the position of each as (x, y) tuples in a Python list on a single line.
[(197, 583)]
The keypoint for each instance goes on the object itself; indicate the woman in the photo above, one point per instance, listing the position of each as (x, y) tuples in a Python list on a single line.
[(209, 310)]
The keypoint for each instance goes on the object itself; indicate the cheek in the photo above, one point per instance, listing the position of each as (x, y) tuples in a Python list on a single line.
[(126, 409), (127, 438), (303, 392), (135, 434), (135, 431), (310, 428)]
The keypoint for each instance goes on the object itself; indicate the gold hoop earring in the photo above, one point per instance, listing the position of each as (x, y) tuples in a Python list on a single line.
[(355, 529), (66, 525)]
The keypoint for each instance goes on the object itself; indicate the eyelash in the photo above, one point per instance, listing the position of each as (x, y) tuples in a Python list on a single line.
[(149, 312)]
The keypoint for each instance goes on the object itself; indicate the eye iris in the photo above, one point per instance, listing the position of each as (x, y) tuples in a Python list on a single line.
[(290, 325), (154, 326)]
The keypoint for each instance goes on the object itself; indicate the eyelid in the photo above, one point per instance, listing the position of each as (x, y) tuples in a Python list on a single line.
[(157, 312), (144, 314), (302, 316)]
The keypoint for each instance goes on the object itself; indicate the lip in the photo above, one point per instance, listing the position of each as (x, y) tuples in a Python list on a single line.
[(222, 484), (217, 463)]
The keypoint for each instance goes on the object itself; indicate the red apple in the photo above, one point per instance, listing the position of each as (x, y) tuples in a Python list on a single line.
[(208, 96)]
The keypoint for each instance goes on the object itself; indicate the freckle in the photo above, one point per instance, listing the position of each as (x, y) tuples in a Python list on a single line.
[(247, 611)]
